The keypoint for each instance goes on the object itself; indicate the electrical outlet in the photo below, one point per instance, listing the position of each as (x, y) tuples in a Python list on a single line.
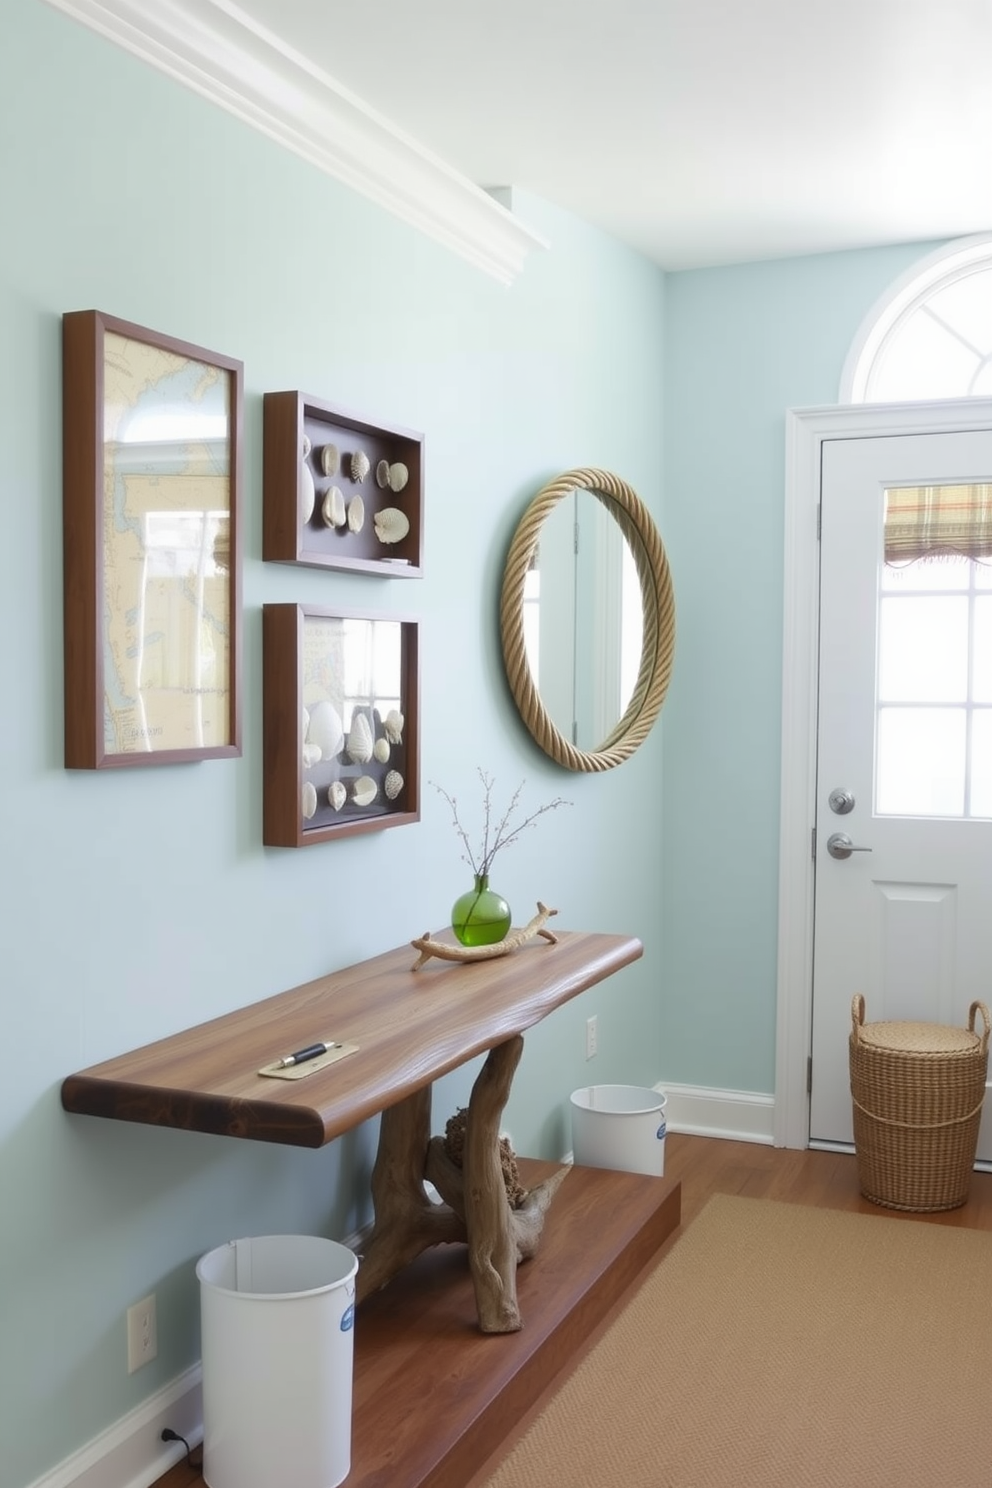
[(142, 1333), (592, 1037)]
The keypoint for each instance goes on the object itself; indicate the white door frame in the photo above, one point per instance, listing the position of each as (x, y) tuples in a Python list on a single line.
[(806, 429)]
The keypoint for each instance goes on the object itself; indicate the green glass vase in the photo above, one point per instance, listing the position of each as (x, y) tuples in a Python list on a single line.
[(480, 917)]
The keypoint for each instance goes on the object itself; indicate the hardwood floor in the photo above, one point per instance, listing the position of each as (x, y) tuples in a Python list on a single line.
[(705, 1166), (827, 1180)]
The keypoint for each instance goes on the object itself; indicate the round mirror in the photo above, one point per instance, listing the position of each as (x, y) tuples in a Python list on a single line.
[(587, 620)]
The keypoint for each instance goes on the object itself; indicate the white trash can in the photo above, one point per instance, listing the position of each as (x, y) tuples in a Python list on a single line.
[(277, 1318), (621, 1127)]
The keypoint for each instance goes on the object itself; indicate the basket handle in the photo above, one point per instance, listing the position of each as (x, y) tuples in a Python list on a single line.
[(979, 1007), (919, 1126), (858, 1015)]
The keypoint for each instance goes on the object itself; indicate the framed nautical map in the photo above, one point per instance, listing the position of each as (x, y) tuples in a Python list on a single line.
[(152, 439)]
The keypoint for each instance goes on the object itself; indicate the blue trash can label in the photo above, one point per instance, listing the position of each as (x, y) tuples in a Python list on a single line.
[(348, 1319)]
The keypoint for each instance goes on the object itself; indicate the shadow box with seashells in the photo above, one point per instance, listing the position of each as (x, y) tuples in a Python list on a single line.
[(340, 723), (339, 492)]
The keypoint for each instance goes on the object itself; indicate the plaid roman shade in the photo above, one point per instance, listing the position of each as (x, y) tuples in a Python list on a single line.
[(937, 521)]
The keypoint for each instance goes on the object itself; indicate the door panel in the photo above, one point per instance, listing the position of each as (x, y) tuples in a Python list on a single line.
[(914, 932), (907, 919)]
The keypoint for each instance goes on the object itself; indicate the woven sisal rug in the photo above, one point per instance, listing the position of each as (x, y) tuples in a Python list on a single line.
[(777, 1347)]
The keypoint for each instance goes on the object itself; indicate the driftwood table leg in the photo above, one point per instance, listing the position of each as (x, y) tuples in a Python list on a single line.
[(476, 1207), (406, 1222), (492, 1248), (499, 1235)]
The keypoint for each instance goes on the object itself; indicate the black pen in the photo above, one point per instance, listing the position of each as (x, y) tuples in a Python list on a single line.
[(312, 1051)]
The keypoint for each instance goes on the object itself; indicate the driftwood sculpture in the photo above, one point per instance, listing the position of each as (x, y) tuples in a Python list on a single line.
[(476, 1207), (454, 1147), (445, 951)]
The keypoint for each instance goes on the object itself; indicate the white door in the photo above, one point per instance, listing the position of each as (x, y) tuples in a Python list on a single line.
[(904, 762)]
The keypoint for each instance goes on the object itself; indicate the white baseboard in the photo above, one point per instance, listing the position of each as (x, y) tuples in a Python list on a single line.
[(131, 1453), (738, 1115)]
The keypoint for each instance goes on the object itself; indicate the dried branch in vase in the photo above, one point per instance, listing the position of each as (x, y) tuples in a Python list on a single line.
[(505, 832)]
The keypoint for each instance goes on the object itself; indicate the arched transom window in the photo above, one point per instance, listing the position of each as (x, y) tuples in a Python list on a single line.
[(931, 334)]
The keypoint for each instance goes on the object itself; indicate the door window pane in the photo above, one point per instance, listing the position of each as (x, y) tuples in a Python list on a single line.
[(981, 684), (923, 650), (920, 762), (981, 763)]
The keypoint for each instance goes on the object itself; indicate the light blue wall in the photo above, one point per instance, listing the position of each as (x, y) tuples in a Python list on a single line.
[(742, 345), (136, 903)]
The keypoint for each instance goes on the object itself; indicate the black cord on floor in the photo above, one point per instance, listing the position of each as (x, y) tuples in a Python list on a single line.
[(169, 1435)]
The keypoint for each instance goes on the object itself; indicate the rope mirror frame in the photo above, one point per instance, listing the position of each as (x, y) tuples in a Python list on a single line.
[(657, 603)]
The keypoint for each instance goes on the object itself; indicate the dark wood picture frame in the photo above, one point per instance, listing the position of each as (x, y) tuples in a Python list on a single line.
[(305, 683), (151, 512), (293, 526)]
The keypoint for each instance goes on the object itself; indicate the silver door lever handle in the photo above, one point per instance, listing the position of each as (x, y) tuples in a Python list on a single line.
[(839, 845)]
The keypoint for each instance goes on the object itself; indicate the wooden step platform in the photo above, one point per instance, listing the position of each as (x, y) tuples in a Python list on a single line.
[(434, 1397)]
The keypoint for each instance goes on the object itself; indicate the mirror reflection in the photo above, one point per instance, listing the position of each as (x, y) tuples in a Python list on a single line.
[(583, 624)]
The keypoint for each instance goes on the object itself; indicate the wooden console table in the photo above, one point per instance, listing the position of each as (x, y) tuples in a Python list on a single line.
[(410, 1028)]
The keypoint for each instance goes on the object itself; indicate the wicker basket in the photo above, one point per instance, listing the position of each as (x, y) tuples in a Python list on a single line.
[(917, 1090)]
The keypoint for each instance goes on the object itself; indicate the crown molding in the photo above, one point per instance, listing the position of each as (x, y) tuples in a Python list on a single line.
[(214, 48)]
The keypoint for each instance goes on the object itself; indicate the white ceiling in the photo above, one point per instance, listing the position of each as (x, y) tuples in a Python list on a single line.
[(699, 131)]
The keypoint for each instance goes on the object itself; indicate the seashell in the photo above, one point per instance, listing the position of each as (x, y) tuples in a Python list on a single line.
[(380, 750), (308, 804), (359, 466), (308, 495), (365, 790), (391, 525), (398, 475), (356, 514), (382, 474), (393, 724), (311, 756), (330, 459), (359, 744), (393, 784), (336, 794), (332, 507), (326, 729)]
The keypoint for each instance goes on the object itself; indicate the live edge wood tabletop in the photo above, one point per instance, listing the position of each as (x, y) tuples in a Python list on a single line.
[(411, 1027), (407, 1028)]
